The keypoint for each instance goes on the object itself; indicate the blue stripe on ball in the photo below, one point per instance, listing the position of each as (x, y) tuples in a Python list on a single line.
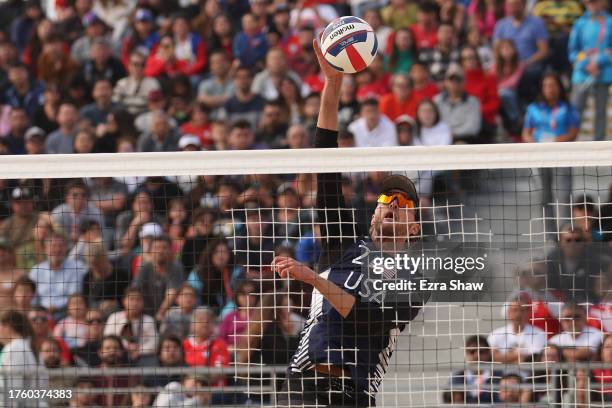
[(375, 47), (344, 42)]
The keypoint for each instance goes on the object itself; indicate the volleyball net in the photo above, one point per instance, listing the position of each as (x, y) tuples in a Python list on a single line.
[(147, 278)]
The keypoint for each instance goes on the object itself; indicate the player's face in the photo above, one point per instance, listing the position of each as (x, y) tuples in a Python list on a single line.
[(391, 222)]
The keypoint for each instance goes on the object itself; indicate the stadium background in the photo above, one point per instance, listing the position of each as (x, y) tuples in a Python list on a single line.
[(73, 67)]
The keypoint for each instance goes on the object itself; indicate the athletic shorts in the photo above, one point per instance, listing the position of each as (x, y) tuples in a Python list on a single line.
[(313, 389)]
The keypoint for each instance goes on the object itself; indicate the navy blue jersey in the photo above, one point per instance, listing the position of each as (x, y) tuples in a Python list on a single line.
[(364, 341)]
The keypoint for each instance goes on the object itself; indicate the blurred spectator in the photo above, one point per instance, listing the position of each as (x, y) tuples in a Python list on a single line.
[(161, 138), (483, 86), (244, 104), (479, 43), (483, 14), (423, 86), (273, 124), (130, 222), (429, 130), (42, 324), (471, 385), (530, 37), (291, 221), (577, 341), (373, 129), (215, 277), (202, 348), (399, 14), (24, 292), (17, 353), (508, 71), (136, 331), (400, 100), (214, 91), (402, 53), (57, 277), (115, 13), (600, 377), (97, 112), (18, 229), (242, 137), (62, 140), (84, 141), (589, 52), (552, 118), (9, 273), (159, 279), (426, 27), (15, 139), (518, 341), (101, 64), (169, 354), (23, 92), (266, 81), (199, 126), (50, 355), (89, 353), (443, 55), (250, 45), (141, 397), (178, 318), (105, 281), (112, 355), (182, 394), (54, 65), (585, 215), (76, 208), (510, 390), (235, 324), (45, 116), (203, 221), (81, 397), (574, 257), (291, 99), (24, 26), (141, 39), (453, 13), (156, 102), (73, 328), (35, 141), (94, 30), (458, 109), (559, 17), (222, 36), (119, 128)]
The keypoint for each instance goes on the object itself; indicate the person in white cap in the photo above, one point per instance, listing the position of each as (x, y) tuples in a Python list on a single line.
[(189, 143)]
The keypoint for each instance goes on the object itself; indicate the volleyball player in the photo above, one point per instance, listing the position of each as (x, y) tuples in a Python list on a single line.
[(347, 343)]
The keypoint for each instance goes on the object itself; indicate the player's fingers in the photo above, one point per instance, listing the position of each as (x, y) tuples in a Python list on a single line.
[(317, 49)]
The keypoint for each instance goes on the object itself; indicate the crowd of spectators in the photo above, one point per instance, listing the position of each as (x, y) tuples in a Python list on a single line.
[(139, 271)]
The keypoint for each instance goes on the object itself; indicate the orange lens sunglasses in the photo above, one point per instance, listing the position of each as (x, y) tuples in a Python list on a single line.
[(402, 200)]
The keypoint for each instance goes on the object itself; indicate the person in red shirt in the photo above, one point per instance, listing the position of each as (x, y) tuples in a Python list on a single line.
[(201, 348), (163, 61), (483, 86), (603, 376), (199, 125), (400, 100), (422, 85), (426, 28)]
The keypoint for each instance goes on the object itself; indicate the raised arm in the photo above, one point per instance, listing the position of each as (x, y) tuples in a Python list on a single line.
[(334, 233)]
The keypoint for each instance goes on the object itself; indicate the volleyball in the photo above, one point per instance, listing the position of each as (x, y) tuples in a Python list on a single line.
[(349, 44)]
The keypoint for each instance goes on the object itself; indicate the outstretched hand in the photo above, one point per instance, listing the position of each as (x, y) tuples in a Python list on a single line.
[(287, 267), (330, 73)]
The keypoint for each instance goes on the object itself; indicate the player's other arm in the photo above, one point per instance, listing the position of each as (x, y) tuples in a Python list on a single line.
[(341, 300)]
